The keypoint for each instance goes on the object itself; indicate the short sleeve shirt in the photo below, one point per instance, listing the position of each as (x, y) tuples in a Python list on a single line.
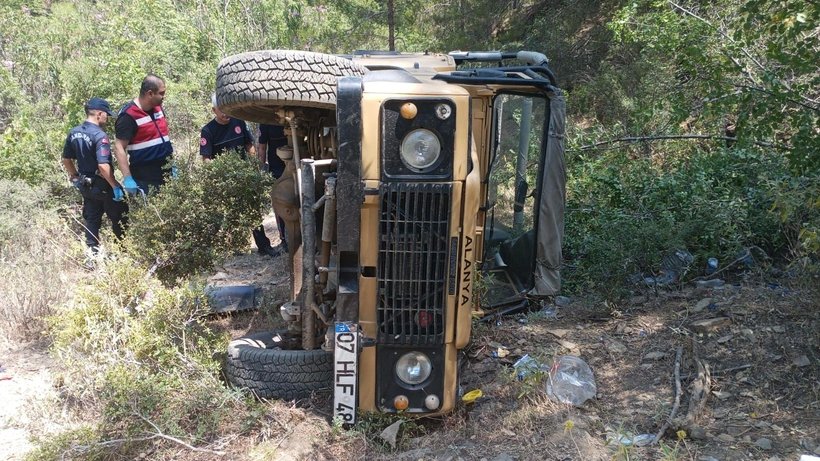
[(89, 146), (216, 138), (125, 127), (274, 137)]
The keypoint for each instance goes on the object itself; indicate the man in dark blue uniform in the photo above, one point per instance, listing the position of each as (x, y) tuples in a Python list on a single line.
[(93, 175), (223, 134), (272, 137)]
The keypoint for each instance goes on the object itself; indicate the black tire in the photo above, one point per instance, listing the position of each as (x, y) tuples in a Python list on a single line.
[(249, 86), (253, 363)]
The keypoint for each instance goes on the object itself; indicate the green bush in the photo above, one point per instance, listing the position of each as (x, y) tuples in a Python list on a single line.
[(198, 218), (32, 145), (625, 213), (140, 355)]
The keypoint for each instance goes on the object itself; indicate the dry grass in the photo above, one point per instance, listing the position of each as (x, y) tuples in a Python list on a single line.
[(38, 260)]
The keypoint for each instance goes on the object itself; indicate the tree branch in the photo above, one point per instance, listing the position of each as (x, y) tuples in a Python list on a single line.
[(160, 434), (770, 93), (667, 137), (723, 34), (676, 405)]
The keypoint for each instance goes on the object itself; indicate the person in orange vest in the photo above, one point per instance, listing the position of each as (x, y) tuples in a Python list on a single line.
[(143, 147)]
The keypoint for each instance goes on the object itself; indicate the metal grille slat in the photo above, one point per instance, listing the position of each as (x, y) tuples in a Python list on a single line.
[(414, 222)]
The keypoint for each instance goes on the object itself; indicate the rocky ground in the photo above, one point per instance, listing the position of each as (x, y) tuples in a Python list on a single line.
[(757, 337)]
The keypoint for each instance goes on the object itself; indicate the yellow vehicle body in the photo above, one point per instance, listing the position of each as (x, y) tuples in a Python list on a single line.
[(404, 240)]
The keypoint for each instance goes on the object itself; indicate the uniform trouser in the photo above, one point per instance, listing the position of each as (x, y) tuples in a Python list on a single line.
[(262, 241), (98, 199), (150, 176)]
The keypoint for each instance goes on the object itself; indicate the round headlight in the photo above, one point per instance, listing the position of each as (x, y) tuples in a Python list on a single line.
[(420, 149), (413, 368)]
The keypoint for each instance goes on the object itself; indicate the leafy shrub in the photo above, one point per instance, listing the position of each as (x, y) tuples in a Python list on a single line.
[(198, 218), (626, 213), (139, 355), (32, 145)]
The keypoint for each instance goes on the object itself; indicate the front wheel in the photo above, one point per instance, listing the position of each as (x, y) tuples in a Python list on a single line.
[(254, 362)]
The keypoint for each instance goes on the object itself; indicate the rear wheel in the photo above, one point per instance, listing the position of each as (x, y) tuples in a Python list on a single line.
[(251, 86), (255, 362)]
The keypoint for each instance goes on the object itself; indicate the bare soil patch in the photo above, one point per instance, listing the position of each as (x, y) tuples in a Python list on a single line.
[(29, 403)]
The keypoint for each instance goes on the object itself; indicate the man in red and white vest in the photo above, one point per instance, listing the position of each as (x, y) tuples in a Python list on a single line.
[(143, 147)]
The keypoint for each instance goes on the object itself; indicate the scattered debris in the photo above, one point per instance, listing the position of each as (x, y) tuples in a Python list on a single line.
[(558, 333), (568, 345), (219, 276), (764, 443), (722, 395), (472, 396), (714, 283), (526, 366), (726, 438), (562, 301), (390, 433), (629, 440), (616, 347), (233, 298), (672, 267), (707, 326), (801, 361), (725, 339), (571, 381), (702, 304), (656, 355), (711, 266)]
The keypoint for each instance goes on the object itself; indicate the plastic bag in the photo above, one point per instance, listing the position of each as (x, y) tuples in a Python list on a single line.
[(571, 381)]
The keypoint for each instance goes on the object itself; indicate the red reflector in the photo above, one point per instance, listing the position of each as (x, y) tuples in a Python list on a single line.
[(424, 319)]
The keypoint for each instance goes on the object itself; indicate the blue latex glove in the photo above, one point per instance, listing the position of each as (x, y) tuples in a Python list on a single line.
[(130, 185), (118, 194), (77, 183), (174, 172)]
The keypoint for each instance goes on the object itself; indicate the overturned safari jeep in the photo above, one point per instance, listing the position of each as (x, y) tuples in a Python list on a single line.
[(421, 191)]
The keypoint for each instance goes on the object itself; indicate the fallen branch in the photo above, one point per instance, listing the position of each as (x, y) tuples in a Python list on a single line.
[(84, 448), (747, 253), (678, 392), (667, 137), (723, 370), (699, 390), (160, 434)]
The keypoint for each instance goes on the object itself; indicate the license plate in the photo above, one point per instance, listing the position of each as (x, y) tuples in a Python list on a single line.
[(346, 359)]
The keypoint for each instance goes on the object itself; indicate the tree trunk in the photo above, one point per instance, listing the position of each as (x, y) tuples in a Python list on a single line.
[(391, 26)]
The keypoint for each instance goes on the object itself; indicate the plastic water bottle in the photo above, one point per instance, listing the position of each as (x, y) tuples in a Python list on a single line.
[(711, 266)]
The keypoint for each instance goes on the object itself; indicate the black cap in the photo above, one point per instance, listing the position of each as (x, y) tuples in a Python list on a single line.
[(98, 104)]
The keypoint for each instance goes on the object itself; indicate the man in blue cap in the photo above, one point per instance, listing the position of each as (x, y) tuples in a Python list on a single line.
[(87, 160)]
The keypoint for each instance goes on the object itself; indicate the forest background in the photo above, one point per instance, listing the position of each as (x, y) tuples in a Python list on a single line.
[(691, 125)]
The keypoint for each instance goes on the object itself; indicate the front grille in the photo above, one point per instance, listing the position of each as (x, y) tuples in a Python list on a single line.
[(414, 223)]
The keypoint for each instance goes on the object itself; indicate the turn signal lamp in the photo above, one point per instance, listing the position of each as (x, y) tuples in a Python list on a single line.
[(401, 403), (408, 111)]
